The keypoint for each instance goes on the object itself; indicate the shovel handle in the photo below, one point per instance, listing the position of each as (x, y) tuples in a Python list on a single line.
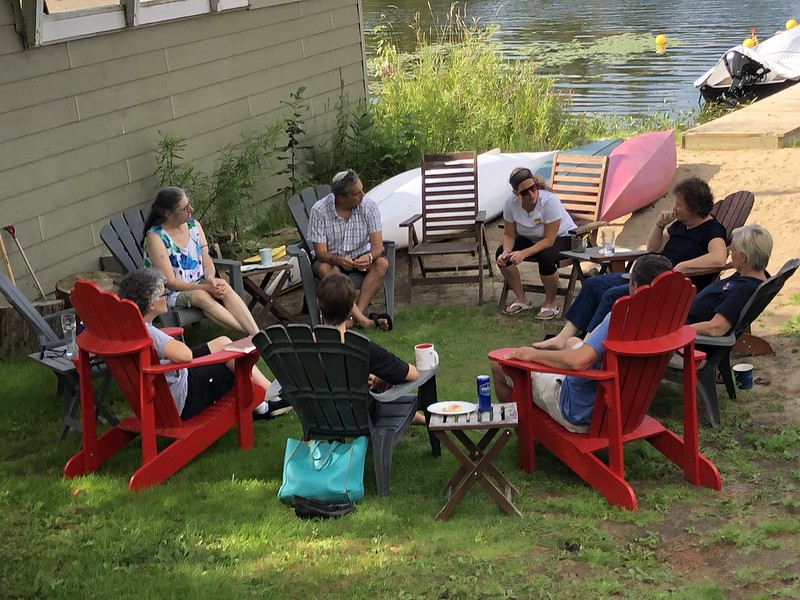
[(6, 261)]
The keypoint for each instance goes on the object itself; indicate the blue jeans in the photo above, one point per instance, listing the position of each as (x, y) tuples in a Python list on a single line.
[(595, 300)]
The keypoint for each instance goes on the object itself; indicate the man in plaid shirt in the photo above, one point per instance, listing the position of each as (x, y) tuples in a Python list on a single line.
[(345, 232)]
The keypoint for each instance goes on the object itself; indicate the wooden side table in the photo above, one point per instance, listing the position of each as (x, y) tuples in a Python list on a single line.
[(614, 263), (258, 288), (477, 462)]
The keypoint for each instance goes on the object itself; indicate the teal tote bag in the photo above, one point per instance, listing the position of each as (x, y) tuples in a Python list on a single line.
[(326, 471)]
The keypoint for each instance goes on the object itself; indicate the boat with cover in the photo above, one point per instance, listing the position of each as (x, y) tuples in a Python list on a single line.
[(639, 172), (746, 74)]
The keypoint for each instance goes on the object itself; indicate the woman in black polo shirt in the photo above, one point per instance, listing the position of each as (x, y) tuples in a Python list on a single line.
[(687, 235)]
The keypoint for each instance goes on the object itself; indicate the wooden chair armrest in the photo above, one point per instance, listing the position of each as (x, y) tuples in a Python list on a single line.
[(411, 220), (706, 270), (589, 227), (650, 347), (480, 217), (57, 315)]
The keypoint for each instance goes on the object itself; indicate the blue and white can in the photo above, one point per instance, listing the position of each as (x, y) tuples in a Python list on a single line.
[(484, 394)]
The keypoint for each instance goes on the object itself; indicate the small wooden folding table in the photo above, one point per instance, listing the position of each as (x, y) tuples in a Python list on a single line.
[(477, 462)]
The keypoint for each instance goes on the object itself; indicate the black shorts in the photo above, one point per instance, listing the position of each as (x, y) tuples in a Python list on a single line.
[(206, 384)]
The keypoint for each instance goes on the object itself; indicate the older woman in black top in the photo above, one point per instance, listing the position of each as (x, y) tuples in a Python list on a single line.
[(687, 235)]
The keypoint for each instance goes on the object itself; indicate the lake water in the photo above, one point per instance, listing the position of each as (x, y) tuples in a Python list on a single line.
[(603, 51)]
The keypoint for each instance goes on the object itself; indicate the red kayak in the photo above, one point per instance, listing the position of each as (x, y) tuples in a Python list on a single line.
[(640, 171)]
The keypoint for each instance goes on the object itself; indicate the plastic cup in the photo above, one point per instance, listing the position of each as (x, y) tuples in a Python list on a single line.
[(743, 374), (266, 257)]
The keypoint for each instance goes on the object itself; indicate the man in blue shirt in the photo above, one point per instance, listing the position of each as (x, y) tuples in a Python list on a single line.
[(567, 399)]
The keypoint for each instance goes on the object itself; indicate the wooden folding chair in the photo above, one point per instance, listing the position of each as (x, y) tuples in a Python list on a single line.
[(578, 181), (451, 222)]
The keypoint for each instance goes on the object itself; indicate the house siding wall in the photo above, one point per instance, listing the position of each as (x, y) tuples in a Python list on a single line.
[(79, 121)]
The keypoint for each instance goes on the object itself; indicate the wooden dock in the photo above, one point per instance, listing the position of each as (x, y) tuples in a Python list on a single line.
[(773, 122)]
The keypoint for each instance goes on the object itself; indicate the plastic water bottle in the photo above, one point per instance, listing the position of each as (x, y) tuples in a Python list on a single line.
[(484, 394)]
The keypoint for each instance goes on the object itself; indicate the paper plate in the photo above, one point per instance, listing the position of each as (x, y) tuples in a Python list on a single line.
[(452, 408)]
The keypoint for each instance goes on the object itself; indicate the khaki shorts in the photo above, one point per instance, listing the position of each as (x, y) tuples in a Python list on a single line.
[(184, 298), (546, 389)]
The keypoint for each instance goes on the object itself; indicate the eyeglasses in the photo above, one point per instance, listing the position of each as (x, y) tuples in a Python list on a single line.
[(529, 191), (188, 209)]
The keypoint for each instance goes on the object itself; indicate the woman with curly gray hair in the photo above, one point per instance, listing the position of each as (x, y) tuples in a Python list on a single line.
[(193, 389)]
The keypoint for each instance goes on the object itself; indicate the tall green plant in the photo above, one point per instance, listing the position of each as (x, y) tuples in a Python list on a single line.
[(294, 129), (224, 200)]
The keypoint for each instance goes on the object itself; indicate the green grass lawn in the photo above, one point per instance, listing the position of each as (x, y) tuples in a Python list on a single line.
[(217, 530)]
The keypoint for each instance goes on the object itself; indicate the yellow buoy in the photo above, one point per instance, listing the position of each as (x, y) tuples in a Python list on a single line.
[(791, 24), (749, 43), (661, 39)]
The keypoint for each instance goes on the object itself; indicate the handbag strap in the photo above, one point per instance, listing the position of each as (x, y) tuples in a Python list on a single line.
[(322, 461)]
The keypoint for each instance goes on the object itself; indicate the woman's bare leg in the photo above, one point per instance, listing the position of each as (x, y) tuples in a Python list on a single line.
[(238, 309), (216, 311)]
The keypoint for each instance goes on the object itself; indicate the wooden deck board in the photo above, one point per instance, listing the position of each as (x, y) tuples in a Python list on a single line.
[(773, 122)]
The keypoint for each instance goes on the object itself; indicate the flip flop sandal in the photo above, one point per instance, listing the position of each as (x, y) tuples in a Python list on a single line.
[(520, 307), (376, 317), (547, 314), (762, 381)]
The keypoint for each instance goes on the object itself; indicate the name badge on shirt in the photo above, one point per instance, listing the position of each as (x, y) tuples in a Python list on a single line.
[(537, 221), (727, 286)]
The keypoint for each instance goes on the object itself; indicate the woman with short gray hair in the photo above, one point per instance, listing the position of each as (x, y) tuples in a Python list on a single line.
[(716, 309), (195, 388)]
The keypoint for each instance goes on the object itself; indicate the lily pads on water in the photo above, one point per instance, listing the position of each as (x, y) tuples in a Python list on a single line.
[(604, 50)]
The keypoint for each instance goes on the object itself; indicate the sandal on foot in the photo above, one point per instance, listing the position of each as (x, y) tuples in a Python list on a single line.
[(377, 317), (517, 307), (547, 314)]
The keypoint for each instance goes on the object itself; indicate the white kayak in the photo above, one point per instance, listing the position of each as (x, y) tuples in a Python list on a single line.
[(400, 197)]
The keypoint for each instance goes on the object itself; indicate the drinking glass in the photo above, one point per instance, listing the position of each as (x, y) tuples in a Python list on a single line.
[(608, 238), (68, 327)]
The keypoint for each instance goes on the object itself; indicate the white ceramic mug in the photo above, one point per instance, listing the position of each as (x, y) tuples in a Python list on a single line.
[(426, 357), (266, 257)]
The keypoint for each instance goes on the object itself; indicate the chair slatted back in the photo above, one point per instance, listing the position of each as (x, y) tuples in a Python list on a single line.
[(324, 379), (733, 210), (27, 311), (579, 182), (449, 196), (652, 313), (123, 235), (763, 295), (300, 208), (110, 320)]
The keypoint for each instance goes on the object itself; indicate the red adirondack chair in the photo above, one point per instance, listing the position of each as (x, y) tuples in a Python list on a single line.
[(115, 330), (643, 333)]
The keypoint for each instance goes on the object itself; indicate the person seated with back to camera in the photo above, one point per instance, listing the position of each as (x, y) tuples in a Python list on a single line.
[(336, 296), (175, 244), (568, 399), (344, 229), (535, 225), (193, 389), (688, 235)]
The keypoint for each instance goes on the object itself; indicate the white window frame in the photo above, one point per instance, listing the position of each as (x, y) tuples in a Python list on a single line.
[(41, 29)]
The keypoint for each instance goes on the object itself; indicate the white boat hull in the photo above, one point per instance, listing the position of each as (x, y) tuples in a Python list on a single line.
[(400, 197)]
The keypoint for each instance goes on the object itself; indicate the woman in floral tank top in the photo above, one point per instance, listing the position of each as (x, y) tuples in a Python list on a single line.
[(176, 245)]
